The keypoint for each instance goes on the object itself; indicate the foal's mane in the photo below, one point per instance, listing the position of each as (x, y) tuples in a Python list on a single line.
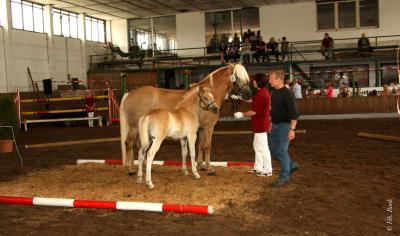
[(187, 95)]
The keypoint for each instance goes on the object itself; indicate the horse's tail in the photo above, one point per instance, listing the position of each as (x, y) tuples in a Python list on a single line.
[(144, 131), (124, 127)]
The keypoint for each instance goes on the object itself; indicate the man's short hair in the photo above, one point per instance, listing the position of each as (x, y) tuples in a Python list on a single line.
[(279, 74)]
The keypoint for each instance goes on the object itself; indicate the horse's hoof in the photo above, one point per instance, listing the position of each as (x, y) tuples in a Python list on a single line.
[(185, 172), (139, 181), (132, 173), (212, 173), (196, 176)]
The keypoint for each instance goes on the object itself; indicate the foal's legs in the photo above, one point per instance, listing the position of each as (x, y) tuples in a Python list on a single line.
[(150, 156), (184, 154), (192, 146)]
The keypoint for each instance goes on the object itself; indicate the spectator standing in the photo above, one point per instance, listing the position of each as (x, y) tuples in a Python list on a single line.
[(297, 90), (90, 104), (329, 91), (284, 49), (260, 123), (236, 40), (343, 80), (327, 46), (222, 51), (284, 117)]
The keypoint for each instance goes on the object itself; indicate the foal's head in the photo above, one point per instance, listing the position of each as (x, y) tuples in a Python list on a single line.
[(207, 101)]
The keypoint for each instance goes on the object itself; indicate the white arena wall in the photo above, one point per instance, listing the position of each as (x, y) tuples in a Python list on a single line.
[(298, 22), (30, 49), (3, 82)]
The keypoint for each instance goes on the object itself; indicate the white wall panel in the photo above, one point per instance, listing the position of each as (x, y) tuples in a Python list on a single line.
[(191, 32)]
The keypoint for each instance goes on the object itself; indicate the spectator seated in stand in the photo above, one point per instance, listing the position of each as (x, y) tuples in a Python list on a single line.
[(373, 93), (272, 49), (327, 46), (364, 46), (260, 50), (310, 94), (232, 52), (246, 53), (344, 92), (385, 91)]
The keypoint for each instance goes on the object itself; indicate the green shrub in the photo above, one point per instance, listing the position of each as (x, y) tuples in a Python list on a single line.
[(8, 117)]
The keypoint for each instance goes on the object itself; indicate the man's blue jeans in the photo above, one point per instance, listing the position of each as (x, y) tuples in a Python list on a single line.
[(279, 145)]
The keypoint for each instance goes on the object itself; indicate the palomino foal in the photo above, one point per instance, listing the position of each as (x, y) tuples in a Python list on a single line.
[(182, 123)]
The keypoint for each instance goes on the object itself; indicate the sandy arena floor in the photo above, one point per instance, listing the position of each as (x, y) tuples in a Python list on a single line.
[(342, 188)]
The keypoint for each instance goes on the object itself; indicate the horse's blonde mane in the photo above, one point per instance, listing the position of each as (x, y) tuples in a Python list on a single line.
[(210, 76), (238, 71)]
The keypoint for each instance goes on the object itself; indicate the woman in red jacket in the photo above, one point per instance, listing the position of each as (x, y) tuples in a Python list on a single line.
[(260, 123)]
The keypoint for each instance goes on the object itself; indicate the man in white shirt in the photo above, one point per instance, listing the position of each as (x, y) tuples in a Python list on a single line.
[(343, 80), (297, 90)]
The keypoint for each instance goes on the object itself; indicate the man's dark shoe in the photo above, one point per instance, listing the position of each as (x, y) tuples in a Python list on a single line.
[(294, 169), (279, 182)]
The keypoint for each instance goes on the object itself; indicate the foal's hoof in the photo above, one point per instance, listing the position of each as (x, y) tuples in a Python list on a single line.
[(150, 185), (212, 173), (131, 173), (203, 168), (196, 176), (139, 180), (185, 172)]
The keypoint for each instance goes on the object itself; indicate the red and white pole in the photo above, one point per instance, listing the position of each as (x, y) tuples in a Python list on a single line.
[(168, 163), (118, 205)]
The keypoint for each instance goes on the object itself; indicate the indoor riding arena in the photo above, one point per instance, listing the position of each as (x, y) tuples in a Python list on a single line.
[(80, 80)]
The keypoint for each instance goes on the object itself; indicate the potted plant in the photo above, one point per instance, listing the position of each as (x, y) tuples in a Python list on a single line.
[(8, 117)]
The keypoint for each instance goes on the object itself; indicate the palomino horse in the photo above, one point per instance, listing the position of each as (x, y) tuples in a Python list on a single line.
[(182, 123), (140, 101)]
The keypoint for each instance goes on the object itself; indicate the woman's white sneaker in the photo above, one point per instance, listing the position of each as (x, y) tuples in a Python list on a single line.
[(266, 174)]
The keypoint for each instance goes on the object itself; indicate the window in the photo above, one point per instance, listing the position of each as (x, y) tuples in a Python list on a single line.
[(368, 13), (326, 16), (95, 30), (347, 14), (164, 37), (165, 33), (65, 23), (342, 14), (27, 16)]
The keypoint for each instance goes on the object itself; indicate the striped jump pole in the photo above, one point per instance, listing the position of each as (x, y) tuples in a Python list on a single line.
[(168, 163), (62, 111), (61, 99), (117, 205)]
